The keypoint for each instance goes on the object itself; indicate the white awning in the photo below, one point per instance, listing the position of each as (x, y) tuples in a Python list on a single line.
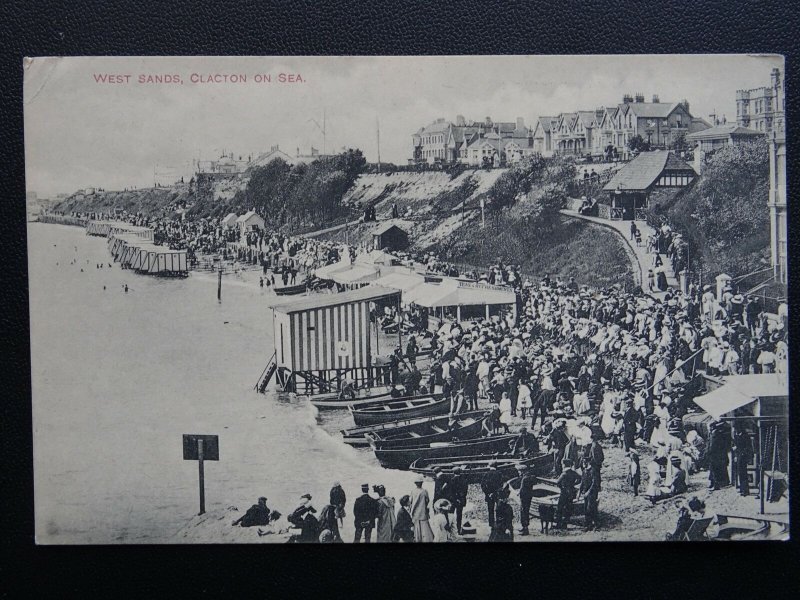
[(738, 391)]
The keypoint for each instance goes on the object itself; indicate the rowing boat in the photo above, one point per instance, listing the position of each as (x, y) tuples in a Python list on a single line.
[(475, 467), (401, 458), (290, 290), (459, 427), (356, 436), (365, 396), (382, 411)]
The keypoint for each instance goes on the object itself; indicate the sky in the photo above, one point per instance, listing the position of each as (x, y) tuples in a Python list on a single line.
[(81, 132)]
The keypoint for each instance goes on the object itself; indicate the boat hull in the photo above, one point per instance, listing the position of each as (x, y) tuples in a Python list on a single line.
[(331, 399), (467, 428), (401, 458), (356, 436), (475, 467), (363, 417)]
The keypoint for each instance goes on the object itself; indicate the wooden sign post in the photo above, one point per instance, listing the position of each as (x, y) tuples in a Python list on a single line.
[(201, 448)]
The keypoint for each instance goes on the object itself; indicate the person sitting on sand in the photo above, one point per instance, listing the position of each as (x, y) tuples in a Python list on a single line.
[(258, 514)]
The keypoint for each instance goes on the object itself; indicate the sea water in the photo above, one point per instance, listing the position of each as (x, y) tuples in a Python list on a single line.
[(118, 377)]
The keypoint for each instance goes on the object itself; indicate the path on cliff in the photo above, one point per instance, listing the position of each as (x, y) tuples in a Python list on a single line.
[(641, 259)]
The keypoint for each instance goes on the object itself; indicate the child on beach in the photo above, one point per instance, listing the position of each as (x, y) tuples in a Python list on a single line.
[(634, 472)]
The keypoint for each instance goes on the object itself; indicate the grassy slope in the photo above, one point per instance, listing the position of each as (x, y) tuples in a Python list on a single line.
[(592, 254)]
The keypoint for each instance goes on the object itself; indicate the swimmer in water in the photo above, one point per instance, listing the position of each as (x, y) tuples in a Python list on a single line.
[(126, 288), (104, 288)]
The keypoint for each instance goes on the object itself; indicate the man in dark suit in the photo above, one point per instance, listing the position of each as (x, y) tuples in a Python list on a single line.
[(526, 483), (490, 483), (365, 511), (458, 494)]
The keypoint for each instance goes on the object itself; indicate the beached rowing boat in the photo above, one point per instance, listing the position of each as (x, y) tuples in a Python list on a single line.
[(475, 467), (382, 411), (364, 396), (459, 427), (356, 436), (750, 528), (401, 458), (290, 290)]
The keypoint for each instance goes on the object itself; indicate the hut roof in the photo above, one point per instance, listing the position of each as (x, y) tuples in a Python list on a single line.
[(644, 170), (365, 294), (722, 131), (386, 226)]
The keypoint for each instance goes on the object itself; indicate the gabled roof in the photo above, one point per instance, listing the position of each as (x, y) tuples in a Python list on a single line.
[(643, 171), (386, 226), (587, 117), (436, 127), (546, 123), (247, 216), (722, 131), (652, 110)]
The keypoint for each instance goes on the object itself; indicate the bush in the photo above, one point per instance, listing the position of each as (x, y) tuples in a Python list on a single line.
[(724, 217)]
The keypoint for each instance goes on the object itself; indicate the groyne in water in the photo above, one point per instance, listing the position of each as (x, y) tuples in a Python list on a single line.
[(62, 220)]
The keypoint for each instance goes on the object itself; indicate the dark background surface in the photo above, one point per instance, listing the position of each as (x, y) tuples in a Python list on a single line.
[(205, 27)]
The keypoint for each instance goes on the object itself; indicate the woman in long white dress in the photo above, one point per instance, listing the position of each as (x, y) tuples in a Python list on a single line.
[(505, 411)]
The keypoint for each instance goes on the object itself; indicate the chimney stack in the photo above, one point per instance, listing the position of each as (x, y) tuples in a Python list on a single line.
[(639, 98), (627, 99), (655, 99), (520, 123)]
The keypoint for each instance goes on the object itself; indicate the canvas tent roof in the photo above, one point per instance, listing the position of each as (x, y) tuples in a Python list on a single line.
[(450, 293), (375, 257), (355, 274), (327, 271), (401, 281), (740, 390)]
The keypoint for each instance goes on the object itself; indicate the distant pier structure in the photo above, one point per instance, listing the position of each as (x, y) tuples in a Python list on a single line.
[(322, 340)]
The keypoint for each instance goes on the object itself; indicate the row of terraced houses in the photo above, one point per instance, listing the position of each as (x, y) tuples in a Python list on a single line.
[(599, 133)]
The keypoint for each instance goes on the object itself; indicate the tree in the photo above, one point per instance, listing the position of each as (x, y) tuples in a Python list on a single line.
[(638, 144), (679, 140)]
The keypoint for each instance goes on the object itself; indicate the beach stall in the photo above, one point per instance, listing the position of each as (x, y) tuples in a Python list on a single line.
[(323, 339), (460, 300), (760, 405)]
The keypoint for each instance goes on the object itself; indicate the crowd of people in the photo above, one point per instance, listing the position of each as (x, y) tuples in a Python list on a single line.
[(588, 365), (415, 518)]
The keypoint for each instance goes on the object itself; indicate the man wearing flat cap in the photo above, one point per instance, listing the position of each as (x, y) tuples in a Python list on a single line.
[(365, 511)]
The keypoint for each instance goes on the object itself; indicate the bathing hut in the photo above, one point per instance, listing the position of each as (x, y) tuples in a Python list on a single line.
[(389, 236), (229, 222), (249, 221), (323, 339), (159, 260)]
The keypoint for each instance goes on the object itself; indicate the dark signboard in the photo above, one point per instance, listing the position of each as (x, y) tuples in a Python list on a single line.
[(210, 446)]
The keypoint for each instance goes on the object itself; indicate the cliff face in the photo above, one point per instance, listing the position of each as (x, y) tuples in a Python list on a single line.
[(149, 201)]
